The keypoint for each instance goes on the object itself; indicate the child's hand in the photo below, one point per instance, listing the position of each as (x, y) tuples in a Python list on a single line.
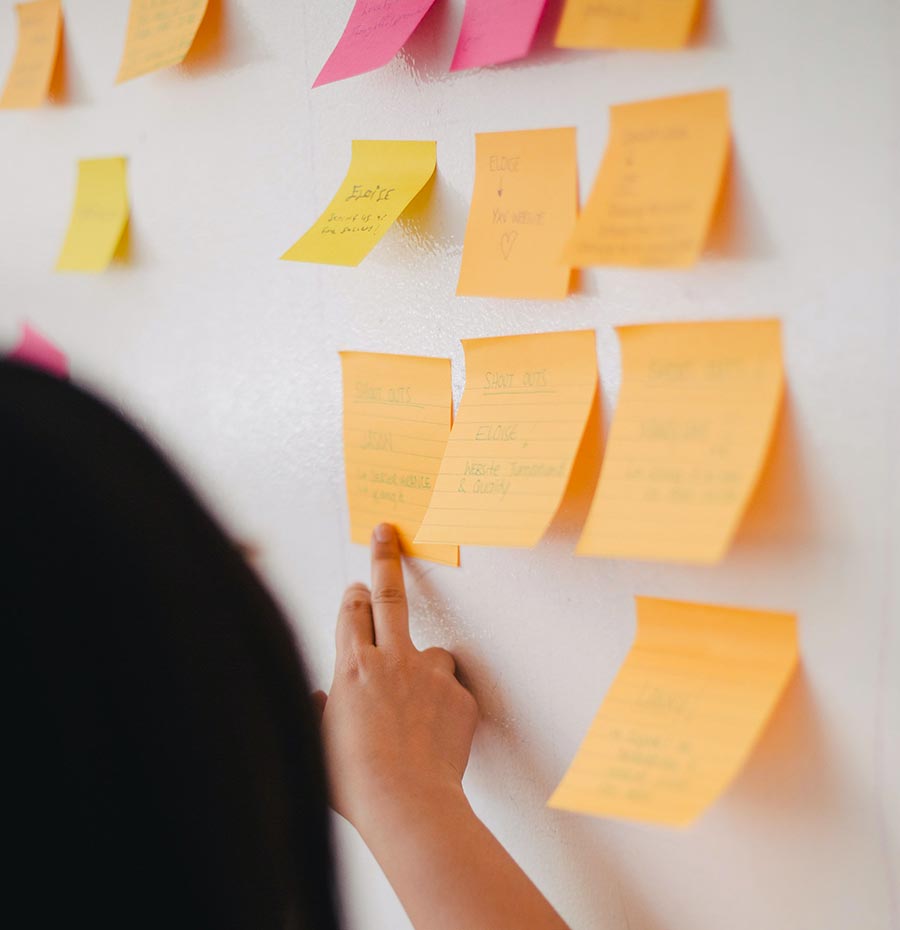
[(397, 725)]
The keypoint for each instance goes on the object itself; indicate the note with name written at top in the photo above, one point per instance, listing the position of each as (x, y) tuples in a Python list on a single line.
[(375, 32), (658, 184), (383, 178), (99, 216), (160, 34), (397, 415), (524, 205), (655, 24), (513, 444), (40, 29), (494, 31), (693, 425), (683, 713)]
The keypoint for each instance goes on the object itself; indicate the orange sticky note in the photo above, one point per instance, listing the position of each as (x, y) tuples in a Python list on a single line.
[(513, 443), (397, 415), (523, 209), (160, 33), (683, 713), (656, 191), (692, 427), (40, 28), (627, 23)]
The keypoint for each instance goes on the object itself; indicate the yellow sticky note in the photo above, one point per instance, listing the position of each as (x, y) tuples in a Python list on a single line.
[(523, 209), (693, 424), (683, 713), (658, 184), (40, 28), (627, 24), (383, 178), (160, 33), (397, 415), (99, 216), (513, 443)]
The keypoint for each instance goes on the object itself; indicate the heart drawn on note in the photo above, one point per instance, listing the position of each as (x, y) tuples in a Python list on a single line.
[(507, 241)]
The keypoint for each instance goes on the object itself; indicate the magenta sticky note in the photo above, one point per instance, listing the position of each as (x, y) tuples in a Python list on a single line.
[(375, 32), (35, 350), (494, 31)]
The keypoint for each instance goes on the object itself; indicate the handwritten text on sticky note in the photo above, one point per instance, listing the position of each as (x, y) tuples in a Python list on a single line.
[(683, 713), (524, 205), (397, 415), (627, 24), (494, 31), (40, 28), (658, 184), (692, 428), (160, 33), (513, 444)]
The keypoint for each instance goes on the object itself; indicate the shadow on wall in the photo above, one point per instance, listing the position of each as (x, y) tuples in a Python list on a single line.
[(216, 44), (67, 86), (431, 221)]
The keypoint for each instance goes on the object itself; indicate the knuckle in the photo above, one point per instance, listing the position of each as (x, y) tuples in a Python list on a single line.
[(356, 597), (388, 595)]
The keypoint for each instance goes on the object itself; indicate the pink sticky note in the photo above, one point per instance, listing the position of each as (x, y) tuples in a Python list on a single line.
[(33, 349), (375, 32), (494, 31)]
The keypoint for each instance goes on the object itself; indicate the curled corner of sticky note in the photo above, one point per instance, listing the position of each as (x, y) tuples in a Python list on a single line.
[(37, 351)]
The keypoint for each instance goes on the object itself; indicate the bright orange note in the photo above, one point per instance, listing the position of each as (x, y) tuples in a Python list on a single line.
[(397, 415), (627, 23), (160, 33), (40, 28), (656, 191), (683, 713), (523, 209), (513, 444), (692, 428)]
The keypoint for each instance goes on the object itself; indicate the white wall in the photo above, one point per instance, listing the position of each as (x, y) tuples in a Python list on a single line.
[(229, 357)]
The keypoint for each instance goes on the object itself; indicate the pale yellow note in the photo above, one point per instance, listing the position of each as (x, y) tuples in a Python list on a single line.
[(523, 209), (160, 33), (627, 23), (383, 178), (683, 713), (40, 28), (512, 447), (99, 216), (397, 415), (658, 184), (693, 425)]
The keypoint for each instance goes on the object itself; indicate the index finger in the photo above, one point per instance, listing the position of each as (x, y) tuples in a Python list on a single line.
[(390, 612)]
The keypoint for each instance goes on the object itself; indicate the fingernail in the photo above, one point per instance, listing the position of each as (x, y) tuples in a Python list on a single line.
[(384, 532)]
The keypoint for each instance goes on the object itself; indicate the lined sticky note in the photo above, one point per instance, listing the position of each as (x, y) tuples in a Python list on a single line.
[(39, 352), (512, 447), (524, 206), (494, 31), (693, 425), (656, 191), (99, 216), (160, 33), (383, 178), (397, 415), (40, 29), (655, 24), (683, 713), (374, 33)]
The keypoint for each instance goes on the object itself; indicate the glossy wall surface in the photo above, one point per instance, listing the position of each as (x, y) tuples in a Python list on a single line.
[(229, 358)]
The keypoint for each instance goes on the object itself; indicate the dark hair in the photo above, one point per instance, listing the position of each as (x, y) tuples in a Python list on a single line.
[(165, 761)]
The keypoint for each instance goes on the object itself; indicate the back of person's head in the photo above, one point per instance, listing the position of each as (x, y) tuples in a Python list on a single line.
[(165, 765)]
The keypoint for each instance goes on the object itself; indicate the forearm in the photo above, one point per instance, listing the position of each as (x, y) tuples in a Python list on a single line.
[(448, 869)]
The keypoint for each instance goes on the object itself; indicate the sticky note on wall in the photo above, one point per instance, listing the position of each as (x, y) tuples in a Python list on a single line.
[(693, 424), (397, 415), (160, 33), (683, 713), (40, 29), (494, 31), (627, 24), (383, 178), (658, 184), (513, 443), (39, 352), (524, 205), (99, 216), (374, 33)]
